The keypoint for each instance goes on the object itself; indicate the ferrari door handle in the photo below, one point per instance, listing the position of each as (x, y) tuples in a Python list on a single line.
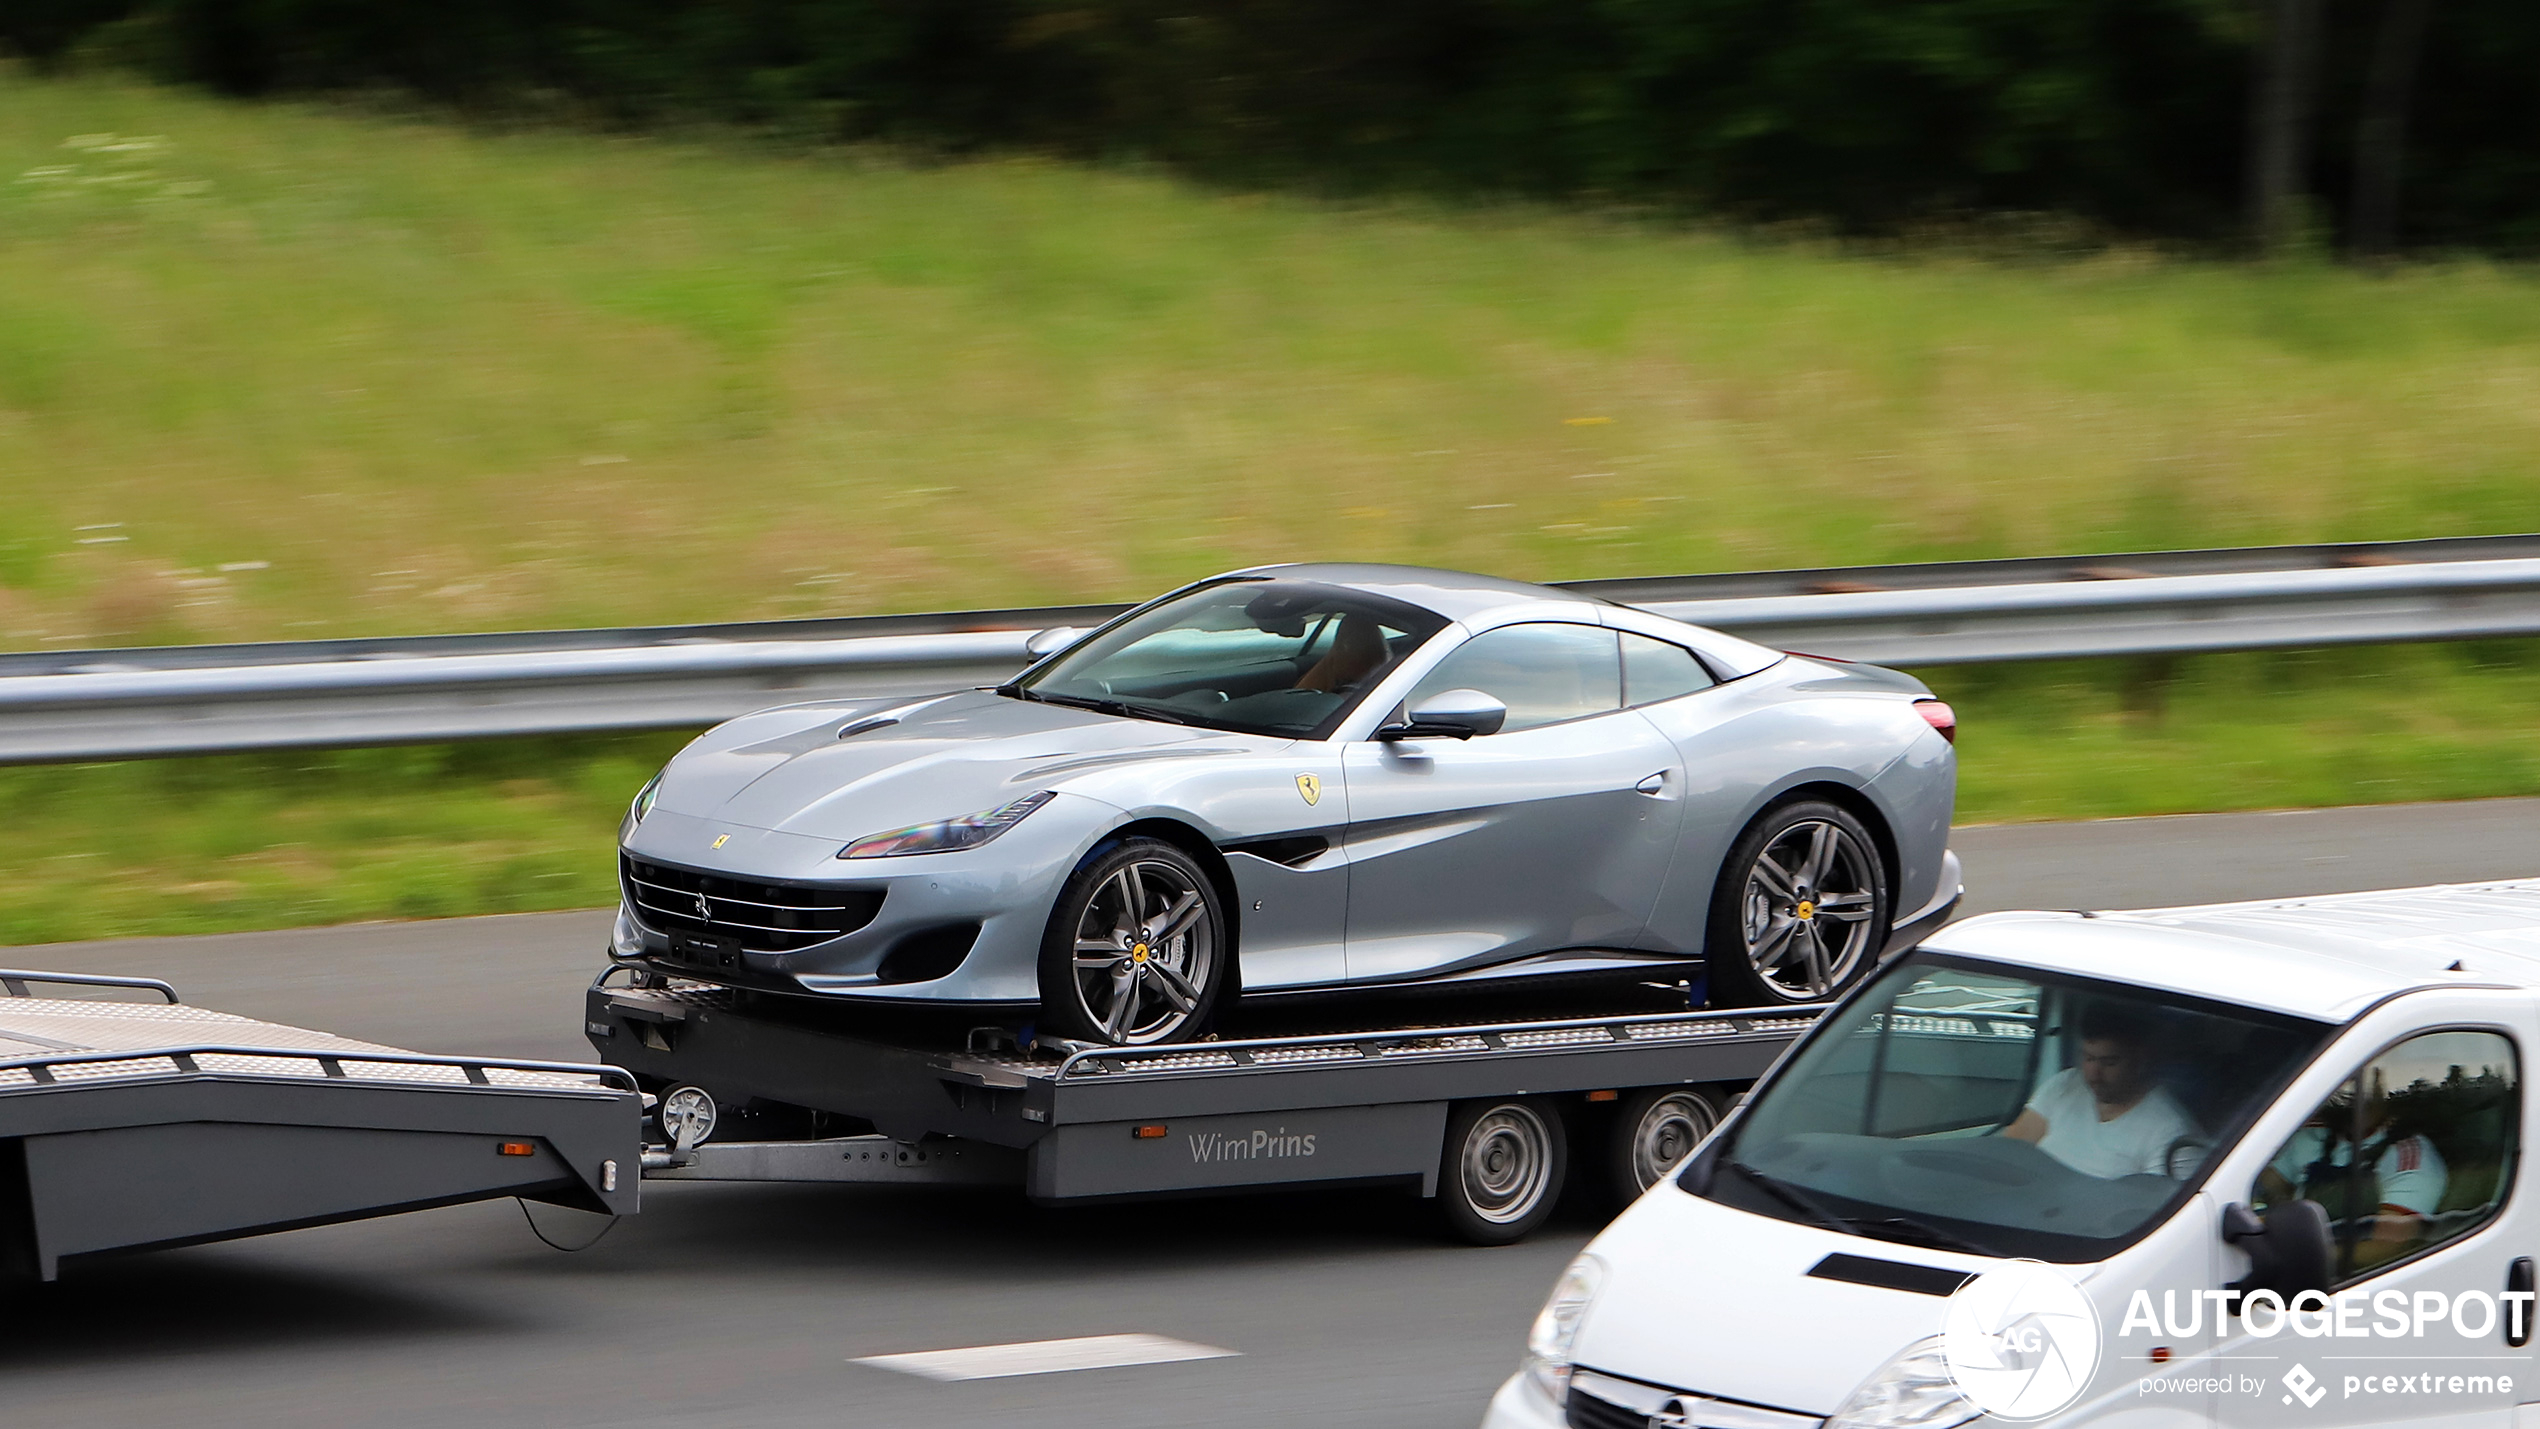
[(1651, 785)]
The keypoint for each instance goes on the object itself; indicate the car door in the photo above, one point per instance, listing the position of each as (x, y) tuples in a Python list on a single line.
[(2414, 1155), (1553, 833)]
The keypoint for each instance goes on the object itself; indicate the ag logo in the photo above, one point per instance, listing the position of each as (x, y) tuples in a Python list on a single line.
[(1310, 787), (2021, 1341)]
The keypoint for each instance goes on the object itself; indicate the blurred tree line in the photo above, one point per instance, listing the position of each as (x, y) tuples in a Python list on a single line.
[(2290, 123)]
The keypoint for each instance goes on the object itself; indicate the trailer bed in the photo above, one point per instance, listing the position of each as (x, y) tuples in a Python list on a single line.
[(1076, 1122)]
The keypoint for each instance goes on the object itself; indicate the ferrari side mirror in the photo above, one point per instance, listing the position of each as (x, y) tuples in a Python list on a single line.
[(1057, 637), (1450, 714)]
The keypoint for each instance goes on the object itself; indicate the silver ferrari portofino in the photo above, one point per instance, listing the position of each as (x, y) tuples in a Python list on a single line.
[(1303, 779)]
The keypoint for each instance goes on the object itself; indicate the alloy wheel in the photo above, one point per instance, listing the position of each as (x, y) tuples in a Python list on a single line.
[(1146, 950), (1807, 910)]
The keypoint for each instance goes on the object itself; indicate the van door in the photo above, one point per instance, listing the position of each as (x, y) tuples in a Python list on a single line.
[(2409, 1135)]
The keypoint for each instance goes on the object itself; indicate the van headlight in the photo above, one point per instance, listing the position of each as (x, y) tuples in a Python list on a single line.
[(1556, 1330), (1912, 1391), (947, 835)]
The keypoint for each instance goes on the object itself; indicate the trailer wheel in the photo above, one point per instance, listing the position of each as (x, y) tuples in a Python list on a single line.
[(1655, 1128), (686, 1113), (1502, 1170)]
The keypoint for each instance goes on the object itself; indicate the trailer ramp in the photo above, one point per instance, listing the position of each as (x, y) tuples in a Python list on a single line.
[(127, 1125)]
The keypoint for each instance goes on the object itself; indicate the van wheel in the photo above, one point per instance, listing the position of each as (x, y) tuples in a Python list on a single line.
[(1800, 911), (1655, 1128), (1502, 1170)]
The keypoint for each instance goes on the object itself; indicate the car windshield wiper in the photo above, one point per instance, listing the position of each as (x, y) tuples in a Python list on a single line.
[(1891, 1228), (1014, 690), (1118, 707)]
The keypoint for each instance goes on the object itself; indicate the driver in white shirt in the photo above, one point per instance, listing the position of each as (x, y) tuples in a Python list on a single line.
[(2108, 1117)]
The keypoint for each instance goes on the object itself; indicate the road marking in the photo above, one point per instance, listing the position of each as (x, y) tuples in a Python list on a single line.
[(1045, 1357)]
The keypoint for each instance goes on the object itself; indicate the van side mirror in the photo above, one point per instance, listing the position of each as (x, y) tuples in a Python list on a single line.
[(2290, 1251), (1450, 714)]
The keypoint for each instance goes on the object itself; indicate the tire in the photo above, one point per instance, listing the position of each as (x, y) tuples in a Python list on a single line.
[(1779, 889), (1653, 1129), (1502, 1168), (1167, 966)]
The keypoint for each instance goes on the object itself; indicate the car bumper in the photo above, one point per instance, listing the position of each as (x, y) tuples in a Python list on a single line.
[(1520, 1405), (1928, 920), (1004, 889)]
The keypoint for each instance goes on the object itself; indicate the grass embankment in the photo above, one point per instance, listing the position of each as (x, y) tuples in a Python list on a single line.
[(292, 372)]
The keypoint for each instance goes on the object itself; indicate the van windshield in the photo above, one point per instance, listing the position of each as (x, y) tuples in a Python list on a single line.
[(2001, 1111)]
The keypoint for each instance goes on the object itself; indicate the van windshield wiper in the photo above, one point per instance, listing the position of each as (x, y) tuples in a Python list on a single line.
[(1890, 1228), (1791, 1196)]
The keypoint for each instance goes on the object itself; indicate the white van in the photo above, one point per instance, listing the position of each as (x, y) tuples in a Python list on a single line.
[(2271, 1149)]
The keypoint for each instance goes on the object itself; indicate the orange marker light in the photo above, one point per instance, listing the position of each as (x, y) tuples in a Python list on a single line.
[(517, 1148), (1606, 1096), (1147, 1133)]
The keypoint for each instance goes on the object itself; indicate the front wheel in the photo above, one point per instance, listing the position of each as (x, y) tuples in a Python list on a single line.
[(1502, 1170), (1135, 953), (1800, 911)]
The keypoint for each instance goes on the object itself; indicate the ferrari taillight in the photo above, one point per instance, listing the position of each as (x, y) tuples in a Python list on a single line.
[(1939, 716)]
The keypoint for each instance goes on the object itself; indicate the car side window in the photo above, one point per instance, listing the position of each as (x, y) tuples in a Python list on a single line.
[(1544, 673), (2416, 1149), (1655, 670)]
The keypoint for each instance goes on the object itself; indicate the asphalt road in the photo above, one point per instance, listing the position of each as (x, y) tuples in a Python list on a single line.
[(744, 1306)]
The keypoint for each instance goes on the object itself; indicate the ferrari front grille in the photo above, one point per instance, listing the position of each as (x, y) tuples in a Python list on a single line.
[(762, 917)]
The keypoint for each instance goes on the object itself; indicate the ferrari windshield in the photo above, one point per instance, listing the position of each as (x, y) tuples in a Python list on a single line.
[(1259, 656), (1978, 1107)]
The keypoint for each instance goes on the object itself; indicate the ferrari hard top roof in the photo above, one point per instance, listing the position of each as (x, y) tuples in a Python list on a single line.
[(1471, 599), (2328, 957), (1457, 595)]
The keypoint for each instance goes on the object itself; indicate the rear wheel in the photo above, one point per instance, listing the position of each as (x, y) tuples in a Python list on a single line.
[(1800, 911), (1502, 1170), (1654, 1128), (1135, 950)]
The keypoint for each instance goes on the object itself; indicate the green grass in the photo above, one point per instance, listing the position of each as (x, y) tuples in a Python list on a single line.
[(292, 371), (210, 845), (302, 372)]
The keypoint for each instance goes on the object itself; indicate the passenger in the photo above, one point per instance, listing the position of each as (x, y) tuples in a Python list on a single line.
[(2407, 1182), (2107, 1117), (1358, 649)]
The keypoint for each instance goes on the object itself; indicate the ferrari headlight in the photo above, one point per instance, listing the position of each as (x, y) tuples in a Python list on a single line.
[(1556, 1330), (646, 796), (947, 835), (1912, 1391)]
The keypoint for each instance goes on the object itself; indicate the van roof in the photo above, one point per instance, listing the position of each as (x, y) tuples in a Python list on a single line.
[(2328, 957)]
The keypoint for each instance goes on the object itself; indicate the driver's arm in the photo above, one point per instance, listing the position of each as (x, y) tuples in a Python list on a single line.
[(2028, 1126)]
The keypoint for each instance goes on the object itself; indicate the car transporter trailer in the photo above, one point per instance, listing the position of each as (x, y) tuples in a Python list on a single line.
[(1484, 1117), (126, 1125)]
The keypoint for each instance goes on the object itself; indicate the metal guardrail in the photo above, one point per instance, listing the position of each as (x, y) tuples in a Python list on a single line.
[(105, 704)]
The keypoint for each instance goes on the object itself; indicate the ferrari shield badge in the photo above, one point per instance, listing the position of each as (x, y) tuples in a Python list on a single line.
[(1310, 787), (721, 839)]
